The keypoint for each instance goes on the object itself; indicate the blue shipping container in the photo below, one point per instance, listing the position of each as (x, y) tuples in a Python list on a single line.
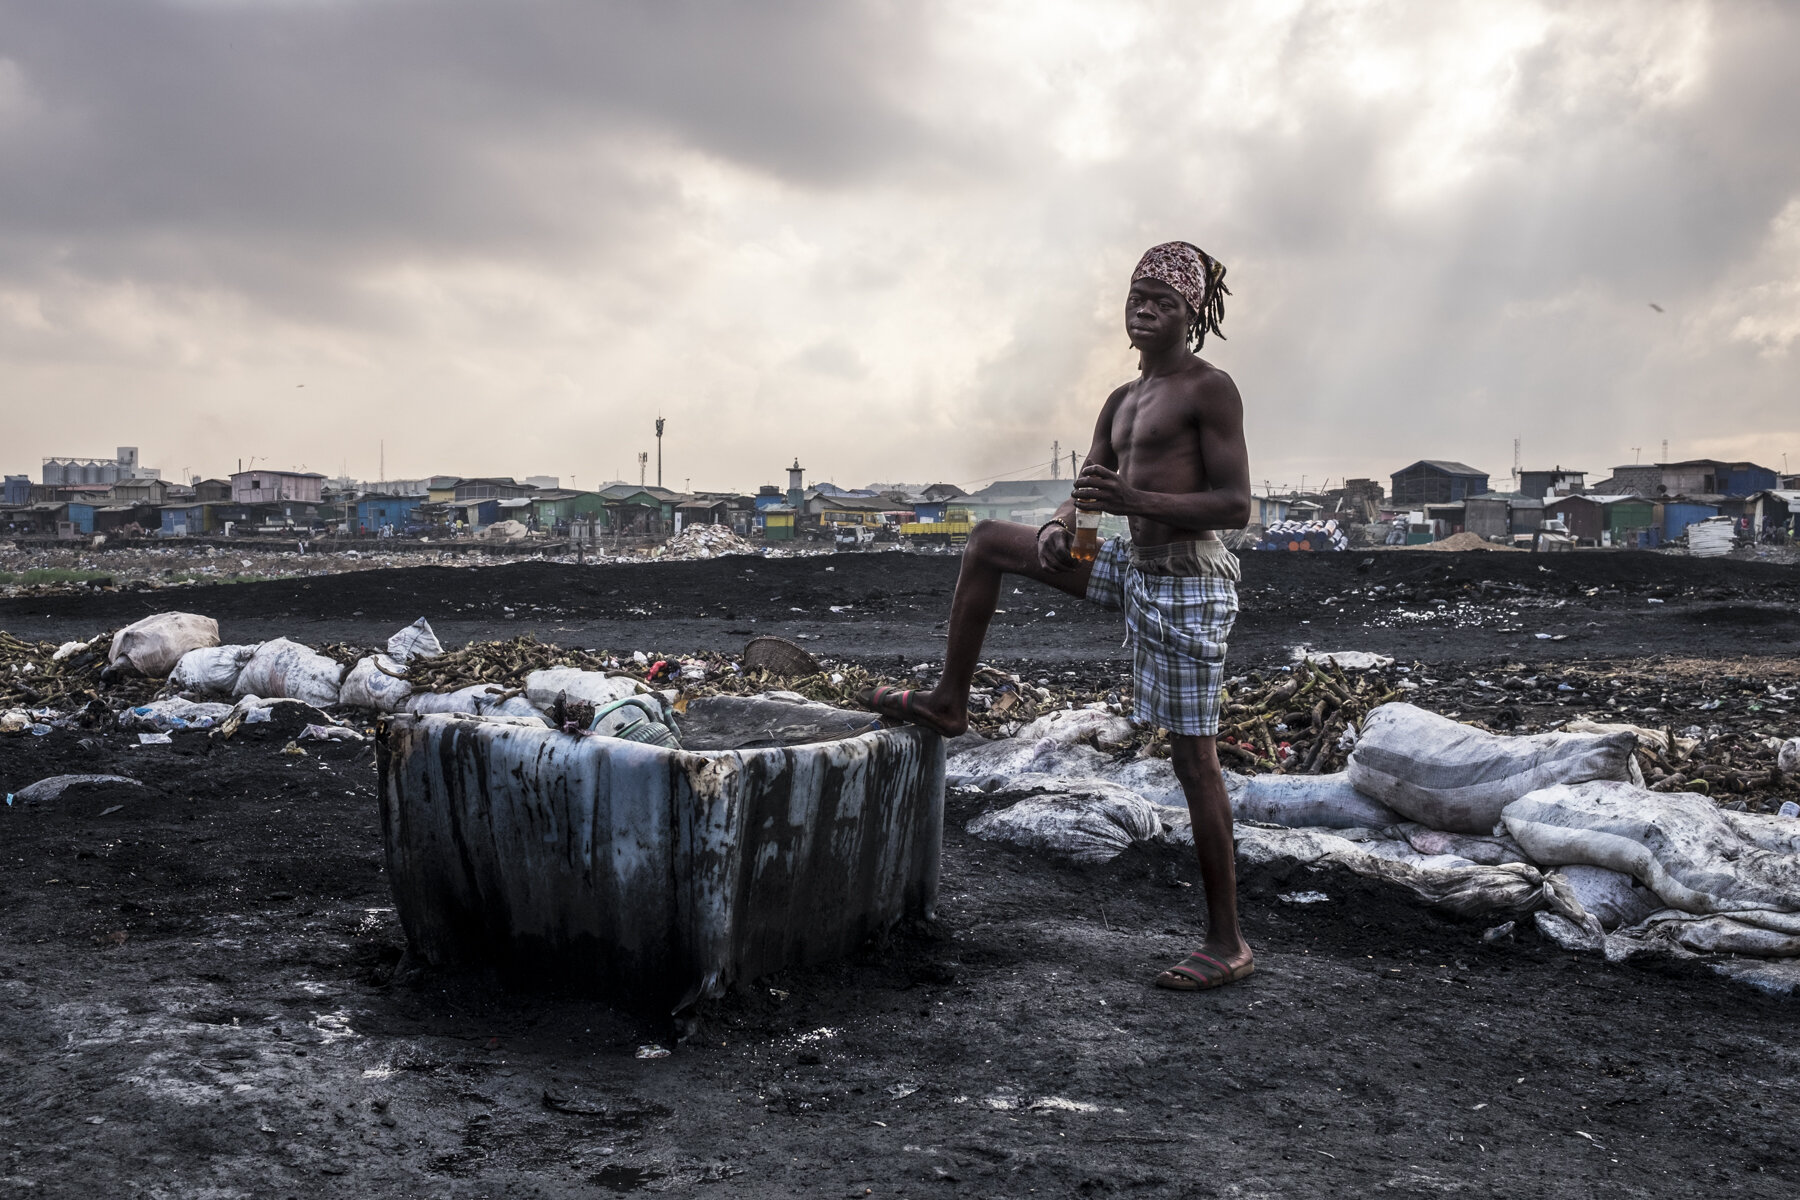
[(1677, 517)]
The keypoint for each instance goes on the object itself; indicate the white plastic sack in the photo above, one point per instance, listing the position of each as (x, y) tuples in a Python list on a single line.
[(155, 644), (1714, 934), (175, 713), (1488, 851), (1788, 757), (481, 699), (595, 687), (213, 670), (415, 641), (376, 682), (462, 700), (1084, 820), (1614, 898), (1457, 778), (1062, 744), (1766, 831), (1297, 801), (1676, 844), (1349, 660), (1088, 726), (1456, 885), (287, 670)]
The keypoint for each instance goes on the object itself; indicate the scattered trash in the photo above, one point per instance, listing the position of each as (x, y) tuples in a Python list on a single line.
[(1302, 897), (154, 739), (703, 541), (161, 716), (329, 733), (1788, 809), (1350, 660), (652, 1050)]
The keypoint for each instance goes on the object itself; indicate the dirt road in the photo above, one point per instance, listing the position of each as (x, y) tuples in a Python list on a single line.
[(204, 990)]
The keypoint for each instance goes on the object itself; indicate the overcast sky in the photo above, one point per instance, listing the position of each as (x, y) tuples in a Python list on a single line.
[(889, 239)]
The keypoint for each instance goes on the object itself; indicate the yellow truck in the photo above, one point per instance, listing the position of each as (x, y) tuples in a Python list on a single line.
[(953, 530)]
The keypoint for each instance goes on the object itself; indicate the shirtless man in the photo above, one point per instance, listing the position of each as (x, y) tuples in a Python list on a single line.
[(1169, 455)]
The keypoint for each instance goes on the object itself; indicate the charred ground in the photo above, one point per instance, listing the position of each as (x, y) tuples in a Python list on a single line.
[(205, 992)]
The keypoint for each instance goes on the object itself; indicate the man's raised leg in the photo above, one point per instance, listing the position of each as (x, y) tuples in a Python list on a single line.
[(995, 549), (1224, 956)]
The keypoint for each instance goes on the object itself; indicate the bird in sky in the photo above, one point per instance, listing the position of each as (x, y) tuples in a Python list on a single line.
[(1653, 304)]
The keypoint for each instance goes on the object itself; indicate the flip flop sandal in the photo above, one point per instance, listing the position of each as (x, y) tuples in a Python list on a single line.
[(882, 693), (1202, 973)]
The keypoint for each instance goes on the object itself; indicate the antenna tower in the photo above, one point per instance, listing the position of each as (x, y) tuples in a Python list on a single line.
[(1665, 456), (643, 465), (659, 427), (1056, 460), (1516, 464)]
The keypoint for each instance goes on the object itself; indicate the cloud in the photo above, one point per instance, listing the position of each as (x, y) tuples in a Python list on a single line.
[(541, 221)]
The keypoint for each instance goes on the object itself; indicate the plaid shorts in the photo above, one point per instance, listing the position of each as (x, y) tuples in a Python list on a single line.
[(1180, 602)]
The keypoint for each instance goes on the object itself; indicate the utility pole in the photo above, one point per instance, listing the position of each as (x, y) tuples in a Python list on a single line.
[(643, 465), (1056, 460), (659, 429), (1516, 475), (1637, 455), (1665, 456), (1073, 473), (383, 444)]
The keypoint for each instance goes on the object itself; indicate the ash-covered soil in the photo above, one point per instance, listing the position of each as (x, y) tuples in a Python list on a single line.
[(1431, 606), (205, 992)]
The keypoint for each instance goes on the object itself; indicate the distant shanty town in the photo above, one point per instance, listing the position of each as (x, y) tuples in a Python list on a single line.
[(1636, 506)]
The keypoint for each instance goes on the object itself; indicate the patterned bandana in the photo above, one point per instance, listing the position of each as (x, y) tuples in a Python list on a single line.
[(1178, 265)]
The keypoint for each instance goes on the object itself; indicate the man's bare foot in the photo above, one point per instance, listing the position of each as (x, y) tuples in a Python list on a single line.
[(920, 708), (1205, 969)]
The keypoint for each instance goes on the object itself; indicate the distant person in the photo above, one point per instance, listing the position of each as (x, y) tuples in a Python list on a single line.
[(1169, 455)]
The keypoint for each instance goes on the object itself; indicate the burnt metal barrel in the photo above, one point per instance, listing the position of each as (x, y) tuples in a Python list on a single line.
[(784, 834)]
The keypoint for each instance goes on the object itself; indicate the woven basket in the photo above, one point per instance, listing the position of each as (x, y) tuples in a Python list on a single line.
[(779, 657)]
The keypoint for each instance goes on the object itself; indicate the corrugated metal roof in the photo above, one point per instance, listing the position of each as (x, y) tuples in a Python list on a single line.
[(1445, 465)]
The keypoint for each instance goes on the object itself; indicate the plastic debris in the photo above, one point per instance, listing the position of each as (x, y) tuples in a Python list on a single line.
[(45, 790)]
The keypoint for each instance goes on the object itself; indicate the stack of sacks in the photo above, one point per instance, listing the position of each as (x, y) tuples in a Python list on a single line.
[(1475, 823), (1726, 882), (379, 680), (1304, 535)]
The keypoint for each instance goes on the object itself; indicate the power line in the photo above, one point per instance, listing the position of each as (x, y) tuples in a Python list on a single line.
[(1001, 474)]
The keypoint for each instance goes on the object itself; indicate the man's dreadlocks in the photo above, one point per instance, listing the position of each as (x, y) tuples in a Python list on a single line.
[(1212, 308)]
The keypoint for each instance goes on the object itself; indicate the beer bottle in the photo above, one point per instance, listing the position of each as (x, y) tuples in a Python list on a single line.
[(1087, 536)]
